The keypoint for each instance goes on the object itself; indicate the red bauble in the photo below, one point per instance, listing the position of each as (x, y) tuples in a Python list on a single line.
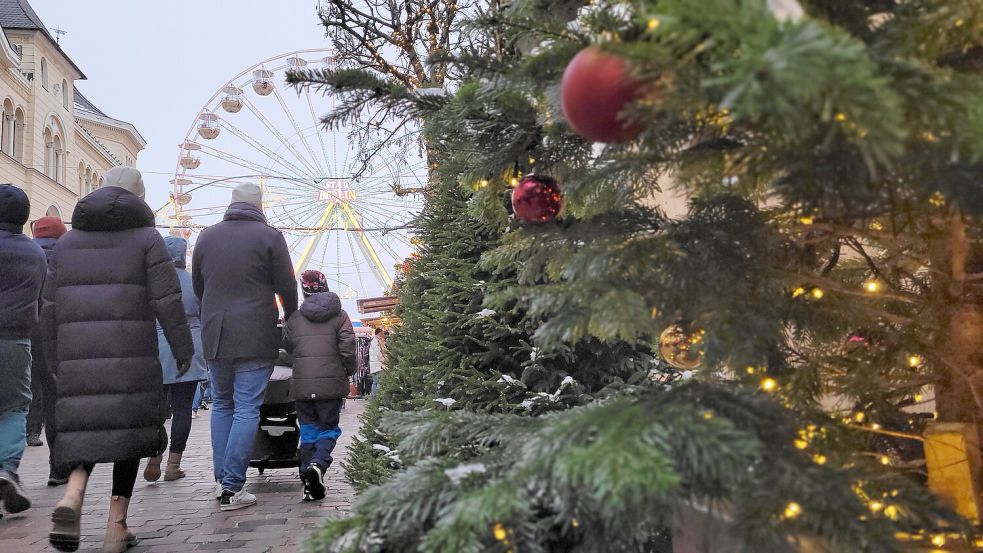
[(596, 87), (537, 199)]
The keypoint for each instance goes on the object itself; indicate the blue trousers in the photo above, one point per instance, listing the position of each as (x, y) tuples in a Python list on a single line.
[(319, 432), (15, 400), (238, 387)]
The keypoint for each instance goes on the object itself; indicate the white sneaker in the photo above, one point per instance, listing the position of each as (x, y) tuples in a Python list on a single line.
[(218, 490), (239, 500)]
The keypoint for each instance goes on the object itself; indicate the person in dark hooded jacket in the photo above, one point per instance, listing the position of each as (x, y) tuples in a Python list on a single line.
[(21, 275), (110, 280), (47, 231), (322, 341)]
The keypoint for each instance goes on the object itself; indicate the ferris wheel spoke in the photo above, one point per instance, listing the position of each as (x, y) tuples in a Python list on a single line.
[(236, 160), (300, 134), (314, 170), (358, 271), (273, 156), (320, 137)]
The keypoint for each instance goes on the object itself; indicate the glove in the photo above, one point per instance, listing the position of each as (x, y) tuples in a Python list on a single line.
[(182, 367)]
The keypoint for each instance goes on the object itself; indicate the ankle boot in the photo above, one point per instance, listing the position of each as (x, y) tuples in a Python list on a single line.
[(67, 516), (152, 472), (119, 538), (173, 470)]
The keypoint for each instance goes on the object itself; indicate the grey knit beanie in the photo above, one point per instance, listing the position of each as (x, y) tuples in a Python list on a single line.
[(126, 178), (249, 193)]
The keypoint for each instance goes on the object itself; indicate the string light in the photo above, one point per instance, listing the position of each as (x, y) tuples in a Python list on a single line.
[(708, 415), (876, 225), (872, 286), (801, 444), (918, 397), (749, 369), (807, 220), (653, 24), (575, 523), (817, 293), (884, 460), (819, 459), (841, 117), (499, 532), (938, 540), (859, 416), (891, 512), (769, 384), (792, 510), (875, 506), (915, 360)]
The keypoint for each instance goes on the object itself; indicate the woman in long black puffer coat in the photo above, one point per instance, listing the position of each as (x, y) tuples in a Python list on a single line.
[(110, 279)]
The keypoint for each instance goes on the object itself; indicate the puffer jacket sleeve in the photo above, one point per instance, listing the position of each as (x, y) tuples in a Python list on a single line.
[(164, 290), (346, 345), (49, 321)]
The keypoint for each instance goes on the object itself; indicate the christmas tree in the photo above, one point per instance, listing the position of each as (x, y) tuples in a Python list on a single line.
[(820, 287)]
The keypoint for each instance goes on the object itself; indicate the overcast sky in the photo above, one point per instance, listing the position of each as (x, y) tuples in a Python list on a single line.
[(155, 63)]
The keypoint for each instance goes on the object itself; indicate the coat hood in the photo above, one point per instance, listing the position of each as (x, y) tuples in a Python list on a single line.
[(321, 307), (15, 208), (241, 211), (111, 208), (177, 247)]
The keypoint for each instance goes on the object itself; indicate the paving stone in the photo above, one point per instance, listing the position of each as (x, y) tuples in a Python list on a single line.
[(181, 516)]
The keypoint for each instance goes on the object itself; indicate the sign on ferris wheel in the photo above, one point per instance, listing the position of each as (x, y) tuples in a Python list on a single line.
[(335, 203)]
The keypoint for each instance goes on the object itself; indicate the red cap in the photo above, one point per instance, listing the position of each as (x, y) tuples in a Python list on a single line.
[(49, 227)]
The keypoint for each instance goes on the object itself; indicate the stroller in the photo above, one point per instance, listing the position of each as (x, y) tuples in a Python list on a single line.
[(279, 434)]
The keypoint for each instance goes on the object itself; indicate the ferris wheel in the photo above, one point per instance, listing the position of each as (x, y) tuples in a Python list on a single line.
[(343, 207)]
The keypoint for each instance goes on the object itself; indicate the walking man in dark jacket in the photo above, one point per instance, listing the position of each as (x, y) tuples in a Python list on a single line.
[(321, 338), (47, 231), (22, 267), (239, 266)]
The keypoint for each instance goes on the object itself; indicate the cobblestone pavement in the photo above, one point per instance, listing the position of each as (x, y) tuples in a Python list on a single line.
[(172, 517)]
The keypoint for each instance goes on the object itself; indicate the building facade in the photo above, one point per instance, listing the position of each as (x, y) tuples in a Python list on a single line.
[(54, 143)]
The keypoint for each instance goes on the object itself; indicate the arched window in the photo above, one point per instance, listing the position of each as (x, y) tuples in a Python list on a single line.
[(88, 180), (81, 174), (44, 73), (66, 95), (49, 153), (53, 211), (17, 136), (9, 124), (58, 172)]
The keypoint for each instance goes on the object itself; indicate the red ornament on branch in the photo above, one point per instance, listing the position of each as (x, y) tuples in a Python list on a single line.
[(595, 89), (537, 199)]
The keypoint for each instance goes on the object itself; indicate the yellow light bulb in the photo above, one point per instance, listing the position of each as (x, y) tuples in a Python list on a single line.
[(818, 293), (875, 426), (872, 286), (875, 506), (653, 24), (918, 397), (769, 384), (819, 459), (876, 225), (859, 416), (841, 117), (938, 540), (793, 510), (801, 444), (708, 415), (575, 523), (798, 292), (891, 512), (806, 220), (884, 460), (915, 360), (499, 532), (514, 182)]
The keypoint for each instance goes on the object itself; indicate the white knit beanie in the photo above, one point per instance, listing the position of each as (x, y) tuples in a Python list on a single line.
[(126, 178), (249, 193)]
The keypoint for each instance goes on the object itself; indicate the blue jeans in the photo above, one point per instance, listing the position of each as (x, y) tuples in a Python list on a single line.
[(375, 383), (15, 400), (238, 387), (202, 393)]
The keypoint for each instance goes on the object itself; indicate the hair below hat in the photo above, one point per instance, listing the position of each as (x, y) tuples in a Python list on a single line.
[(249, 193), (313, 282), (49, 227), (127, 178)]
